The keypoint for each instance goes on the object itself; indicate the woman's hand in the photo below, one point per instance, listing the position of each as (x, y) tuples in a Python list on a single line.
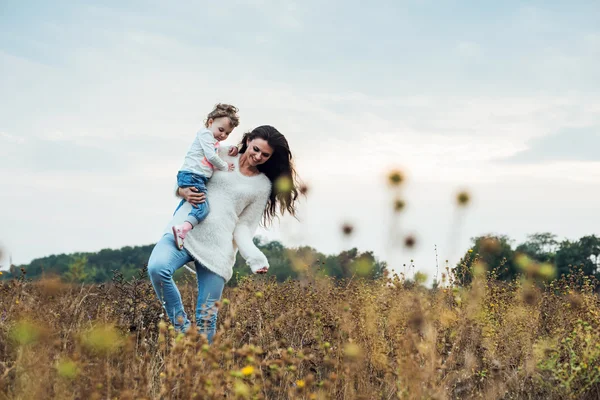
[(233, 151), (263, 270), (192, 196)]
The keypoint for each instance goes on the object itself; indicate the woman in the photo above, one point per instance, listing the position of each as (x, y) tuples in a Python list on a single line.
[(239, 200)]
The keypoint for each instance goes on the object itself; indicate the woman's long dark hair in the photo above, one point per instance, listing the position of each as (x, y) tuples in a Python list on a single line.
[(279, 169)]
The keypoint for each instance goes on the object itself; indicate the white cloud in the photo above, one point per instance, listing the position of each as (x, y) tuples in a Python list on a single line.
[(5, 137)]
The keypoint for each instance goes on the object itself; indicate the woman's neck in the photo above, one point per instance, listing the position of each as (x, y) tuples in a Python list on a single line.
[(245, 167)]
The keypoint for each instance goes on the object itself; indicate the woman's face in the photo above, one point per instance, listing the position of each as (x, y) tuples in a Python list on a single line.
[(258, 151)]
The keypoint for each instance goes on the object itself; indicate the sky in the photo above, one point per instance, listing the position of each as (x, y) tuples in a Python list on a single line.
[(100, 101)]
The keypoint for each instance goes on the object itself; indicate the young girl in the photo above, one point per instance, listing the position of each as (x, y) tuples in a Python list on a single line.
[(200, 161)]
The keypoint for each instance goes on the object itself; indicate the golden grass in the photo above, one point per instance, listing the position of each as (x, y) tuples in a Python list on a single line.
[(307, 339)]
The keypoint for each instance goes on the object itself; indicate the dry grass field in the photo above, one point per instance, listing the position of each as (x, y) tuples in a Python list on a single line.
[(313, 338)]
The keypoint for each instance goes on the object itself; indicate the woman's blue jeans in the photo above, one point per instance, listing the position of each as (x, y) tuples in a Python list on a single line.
[(165, 259)]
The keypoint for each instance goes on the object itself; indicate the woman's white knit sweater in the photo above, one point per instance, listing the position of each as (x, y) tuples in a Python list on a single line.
[(236, 205)]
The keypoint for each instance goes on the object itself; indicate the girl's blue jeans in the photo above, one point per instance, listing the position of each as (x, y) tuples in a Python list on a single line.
[(189, 179), (165, 259)]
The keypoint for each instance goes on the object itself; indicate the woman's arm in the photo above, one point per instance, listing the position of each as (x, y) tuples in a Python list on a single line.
[(191, 195), (244, 234)]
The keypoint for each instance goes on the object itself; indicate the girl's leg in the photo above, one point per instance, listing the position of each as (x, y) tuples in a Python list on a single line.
[(210, 288), (198, 213), (164, 261)]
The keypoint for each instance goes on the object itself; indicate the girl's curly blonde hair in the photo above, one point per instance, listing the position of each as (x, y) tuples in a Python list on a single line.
[(224, 110)]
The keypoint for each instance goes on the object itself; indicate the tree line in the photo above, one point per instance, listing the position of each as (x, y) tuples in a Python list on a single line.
[(285, 263), (498, 252)]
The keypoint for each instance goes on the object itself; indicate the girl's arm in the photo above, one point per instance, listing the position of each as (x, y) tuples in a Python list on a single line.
[(228, 150), (205, 139), (244, 233)]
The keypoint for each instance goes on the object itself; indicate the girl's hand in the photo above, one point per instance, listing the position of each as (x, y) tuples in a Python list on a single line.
[(231, 167), (192, 196), (263, 270), (233, 151)]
